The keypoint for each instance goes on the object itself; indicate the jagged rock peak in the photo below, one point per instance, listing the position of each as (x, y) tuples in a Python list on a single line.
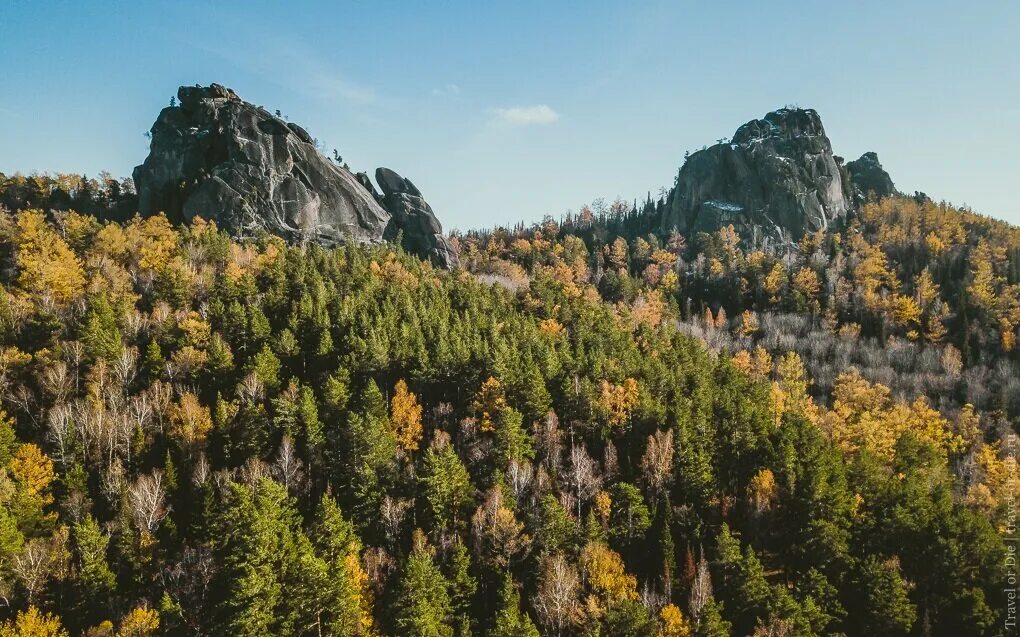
[(786, 123), (413, 216), (776, 179), (189, 96), (218, 156), (869, 178)]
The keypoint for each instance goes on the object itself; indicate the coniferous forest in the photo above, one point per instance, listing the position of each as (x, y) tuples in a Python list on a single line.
[(587, 428)]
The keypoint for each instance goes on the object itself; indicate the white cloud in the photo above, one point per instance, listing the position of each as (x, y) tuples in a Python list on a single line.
[(448, 89), (324, 84), (539, 115)]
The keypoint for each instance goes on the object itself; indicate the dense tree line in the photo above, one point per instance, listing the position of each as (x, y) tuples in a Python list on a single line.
[(204, 436), (103, 196), (921, 296)]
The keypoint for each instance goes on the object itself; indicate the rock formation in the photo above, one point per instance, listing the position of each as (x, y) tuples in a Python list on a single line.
[(413, 217), (869, 179), (219, 157), (776, 179)]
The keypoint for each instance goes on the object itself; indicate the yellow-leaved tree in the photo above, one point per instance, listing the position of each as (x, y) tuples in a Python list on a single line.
[(47, 266), (489, 402), (762, 491), (33, 623), (32, 473), (865, 418), (607, 575), (140, 622), (672, 622), (790, 389), (190, 420), (616, 402), (993, 482), (405, 417)]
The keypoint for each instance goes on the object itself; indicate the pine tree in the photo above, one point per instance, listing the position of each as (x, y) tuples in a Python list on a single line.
[(344, 606), (513, 444), (447, 485), (711, 622), (463, 586), (630, 518), (884, 602), (94, 574), (662, 532), (101, 335), (423, 603), (251, 580), (511, 621)]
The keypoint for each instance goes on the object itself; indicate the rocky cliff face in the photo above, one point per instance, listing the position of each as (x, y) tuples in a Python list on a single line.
[(777, 179), (414, 220), (869, 179), (216, 156)]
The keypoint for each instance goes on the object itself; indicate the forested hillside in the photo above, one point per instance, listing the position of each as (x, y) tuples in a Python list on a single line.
[(587, 429)]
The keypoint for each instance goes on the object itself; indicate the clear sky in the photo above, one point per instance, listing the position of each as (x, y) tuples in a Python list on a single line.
[(507, 111)]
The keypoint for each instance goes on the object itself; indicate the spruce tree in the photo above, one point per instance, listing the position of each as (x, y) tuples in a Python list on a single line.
[(423, 603), (511, 621)]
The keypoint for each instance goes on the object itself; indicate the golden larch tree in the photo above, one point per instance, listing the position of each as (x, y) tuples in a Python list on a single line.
[(405, 417)]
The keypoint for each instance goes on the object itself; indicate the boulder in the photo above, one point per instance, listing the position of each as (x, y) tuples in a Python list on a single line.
[(776, 180), (869, 179), (216, 156), (421, 231)]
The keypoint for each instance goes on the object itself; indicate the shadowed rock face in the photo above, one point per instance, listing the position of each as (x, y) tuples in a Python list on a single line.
[(869, 178), (219, 157), (413, 216), (777, 179)]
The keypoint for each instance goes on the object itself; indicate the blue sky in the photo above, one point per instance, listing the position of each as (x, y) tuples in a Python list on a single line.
[(502, 112)]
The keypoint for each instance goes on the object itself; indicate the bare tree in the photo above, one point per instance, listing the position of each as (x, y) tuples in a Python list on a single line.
[(123, 429), (202, 471), (125, 368), (187, 582), (254, 471), (657, 463), (74, 352), (57, 381), (392, 511), (111, 481), (557, 599), (250, 389), (701, 589), (498, 535), (148, 501), (135, 324), (549, 442), (160, 396), (378, 565), (519, 475), (89, 422), (610, 462), (584, 475), (288, 468), (777, 627), (20, 396), (61, 430), (160, 313), (38, 560), (139, 410)]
